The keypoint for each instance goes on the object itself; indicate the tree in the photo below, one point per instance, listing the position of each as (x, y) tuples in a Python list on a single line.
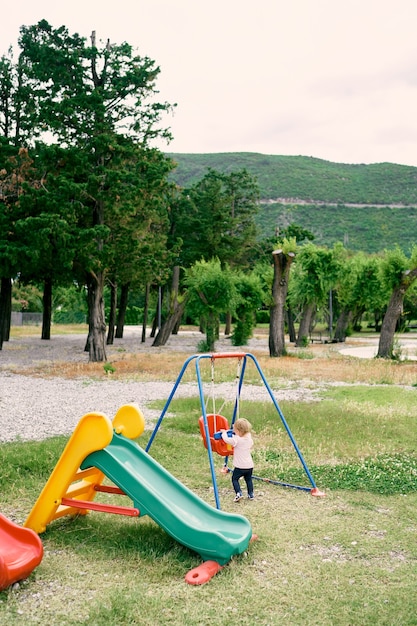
[(261, 251), (180, 207), (15, 169), (410, 305), (220, 221), (316, 272), (399, 273), (138, 238), (97, 99), (344, 294), (15, 133), (215, 218), (358, 290), (211, 291), (249, 299), (46, 228), (282, 259)]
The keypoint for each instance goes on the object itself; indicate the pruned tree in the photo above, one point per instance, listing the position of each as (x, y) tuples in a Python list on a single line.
[(316, 272), (399, 273), (282, 259), (358, 291)]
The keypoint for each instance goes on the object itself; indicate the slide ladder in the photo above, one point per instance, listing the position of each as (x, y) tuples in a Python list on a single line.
[(70, 490)]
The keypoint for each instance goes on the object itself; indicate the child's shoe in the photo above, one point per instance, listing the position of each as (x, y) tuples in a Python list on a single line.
[(238, 497), (251, 496)]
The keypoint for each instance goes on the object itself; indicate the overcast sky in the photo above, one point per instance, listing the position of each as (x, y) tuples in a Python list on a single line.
[(333, 79)]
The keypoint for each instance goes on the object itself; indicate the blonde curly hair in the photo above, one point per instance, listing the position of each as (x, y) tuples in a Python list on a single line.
[(243, 425)]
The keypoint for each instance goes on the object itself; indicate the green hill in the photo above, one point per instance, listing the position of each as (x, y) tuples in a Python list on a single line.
[(368, 207)]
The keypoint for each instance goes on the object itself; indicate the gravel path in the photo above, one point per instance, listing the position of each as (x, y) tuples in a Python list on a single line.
[(36, 408), (33, 408)]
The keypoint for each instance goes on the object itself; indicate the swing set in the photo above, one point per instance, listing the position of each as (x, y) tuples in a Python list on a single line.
[(211, 423)]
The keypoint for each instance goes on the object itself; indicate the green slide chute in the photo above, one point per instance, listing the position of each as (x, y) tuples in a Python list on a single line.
[(215, 535)]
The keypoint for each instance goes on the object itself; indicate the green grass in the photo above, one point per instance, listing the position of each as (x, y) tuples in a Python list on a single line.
[(348, 558)]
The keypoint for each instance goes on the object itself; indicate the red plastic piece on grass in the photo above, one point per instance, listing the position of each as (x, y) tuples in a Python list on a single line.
[(203, 573), (21, 551), (317, 493)]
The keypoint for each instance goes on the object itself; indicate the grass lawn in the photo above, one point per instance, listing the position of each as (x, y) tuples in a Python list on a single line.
[(347, 559)]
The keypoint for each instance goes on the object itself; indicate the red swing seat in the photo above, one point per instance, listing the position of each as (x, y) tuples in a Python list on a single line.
[(215, 423)]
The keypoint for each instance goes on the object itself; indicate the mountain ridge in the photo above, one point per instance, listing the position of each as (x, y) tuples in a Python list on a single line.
[(369, 207)]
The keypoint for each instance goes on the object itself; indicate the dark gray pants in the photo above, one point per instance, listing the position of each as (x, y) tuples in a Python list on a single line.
[(246, 474)]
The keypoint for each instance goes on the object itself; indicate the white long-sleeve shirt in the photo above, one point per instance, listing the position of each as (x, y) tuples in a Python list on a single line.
[(242, 447)]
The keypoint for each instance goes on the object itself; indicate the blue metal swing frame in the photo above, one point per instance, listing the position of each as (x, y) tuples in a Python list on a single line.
[(244, 356)]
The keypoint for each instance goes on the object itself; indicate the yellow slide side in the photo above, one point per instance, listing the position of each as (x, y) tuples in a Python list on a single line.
[(93, 432)]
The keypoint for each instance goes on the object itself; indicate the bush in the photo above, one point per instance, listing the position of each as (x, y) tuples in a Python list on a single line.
[(69, 317), (134, 316), (262, 316)]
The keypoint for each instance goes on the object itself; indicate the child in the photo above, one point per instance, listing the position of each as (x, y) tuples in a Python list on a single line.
[(242, 443)]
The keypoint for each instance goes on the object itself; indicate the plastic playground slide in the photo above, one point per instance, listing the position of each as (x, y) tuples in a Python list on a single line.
[(212, 533), (21, 551)]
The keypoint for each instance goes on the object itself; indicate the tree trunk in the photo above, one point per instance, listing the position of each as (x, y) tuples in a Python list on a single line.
[(282, 266), (357, 320), (177, 326), (305, 325), (167, 327), (378, 320), (112, 314), (145, 313), (47, 309), (342, 325), (96, 318), (176, 309), (156, 323), (393, 312), (290, 322), (228, 326), (211, 330), (5, 309), (124, 296)]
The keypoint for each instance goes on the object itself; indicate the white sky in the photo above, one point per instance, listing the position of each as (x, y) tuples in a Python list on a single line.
[(333, 79)]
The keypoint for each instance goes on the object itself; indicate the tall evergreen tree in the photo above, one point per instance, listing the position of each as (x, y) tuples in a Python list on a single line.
[(215, 218), (16, 131), (96, 98)]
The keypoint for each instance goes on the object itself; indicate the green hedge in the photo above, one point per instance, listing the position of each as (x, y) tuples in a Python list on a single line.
[(69, 317), (262, 317)]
